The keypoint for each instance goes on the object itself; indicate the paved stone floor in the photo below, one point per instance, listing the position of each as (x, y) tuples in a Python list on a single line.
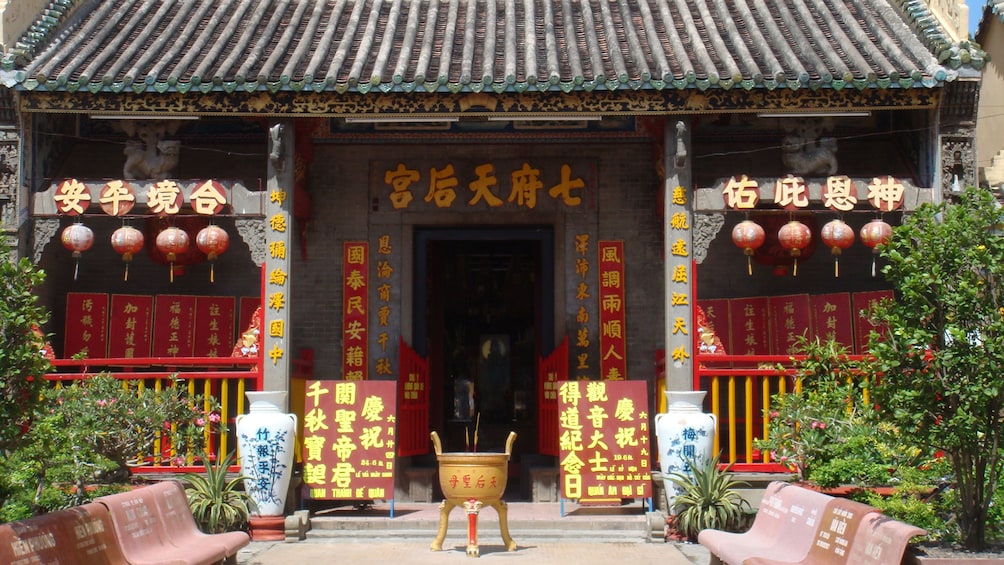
[(418, 553)]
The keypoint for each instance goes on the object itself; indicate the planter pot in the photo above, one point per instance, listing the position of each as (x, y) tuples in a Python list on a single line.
[(911, 558), (683, 432), (265, 441)]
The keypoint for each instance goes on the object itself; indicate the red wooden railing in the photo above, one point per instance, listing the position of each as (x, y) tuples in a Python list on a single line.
[(224, 378)]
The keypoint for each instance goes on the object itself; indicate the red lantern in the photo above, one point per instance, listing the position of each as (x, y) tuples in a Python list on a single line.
[(749, 236), (212, 240), (794, 237), (77, 238), (873, 234), (172, 242), (127, 241), (837, 235)]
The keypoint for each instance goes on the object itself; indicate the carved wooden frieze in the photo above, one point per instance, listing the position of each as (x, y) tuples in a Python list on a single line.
[(595, 102)]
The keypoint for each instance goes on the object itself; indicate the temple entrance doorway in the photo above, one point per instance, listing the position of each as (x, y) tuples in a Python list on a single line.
[(484, 314)]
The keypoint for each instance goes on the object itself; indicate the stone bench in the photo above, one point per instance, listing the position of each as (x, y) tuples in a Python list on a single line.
[(82, 534), (153, 525), (794, 525)]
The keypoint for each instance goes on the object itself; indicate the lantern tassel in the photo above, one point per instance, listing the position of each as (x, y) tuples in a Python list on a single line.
[(125, 277), (836, 268), (749, 266), (172, 272), (76, 268), (873, 266), (794, 269), (212, 276)]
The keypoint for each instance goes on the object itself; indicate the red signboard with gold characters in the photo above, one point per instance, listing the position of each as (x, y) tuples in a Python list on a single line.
[(349, 439), (355, 310), (604, 440)]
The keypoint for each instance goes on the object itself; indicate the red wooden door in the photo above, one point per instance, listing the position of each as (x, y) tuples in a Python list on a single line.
[(550, 371), (412, 403)]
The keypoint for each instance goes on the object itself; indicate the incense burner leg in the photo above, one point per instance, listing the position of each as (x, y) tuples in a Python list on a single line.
[(473, 507), (444, 521), (503, 510)]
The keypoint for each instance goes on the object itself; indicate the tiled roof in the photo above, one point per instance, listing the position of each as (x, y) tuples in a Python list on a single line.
[(480, 45)]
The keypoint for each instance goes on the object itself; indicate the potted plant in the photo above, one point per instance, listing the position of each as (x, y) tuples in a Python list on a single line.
[(707, 499), (218, 504)]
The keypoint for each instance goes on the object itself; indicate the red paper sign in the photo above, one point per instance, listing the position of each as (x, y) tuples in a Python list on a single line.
[(131, 326), (174, 326), (355, 310), (831, 318), (790, 318), (613, 321), (86, 324), (748, 327), (863, 302), (349, 439), (603, 437), (716, 312), (214, 325)]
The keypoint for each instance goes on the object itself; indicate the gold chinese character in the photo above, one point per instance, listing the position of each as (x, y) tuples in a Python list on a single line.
[(482, 186), (791, 191), (442, 186), (208, 198), (70, 195), (566, 186), (741, 193), (164, 197), (525, 184)]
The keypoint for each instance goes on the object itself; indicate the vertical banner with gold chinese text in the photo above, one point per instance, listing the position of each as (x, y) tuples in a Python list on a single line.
[(679, 288), (582, 306), (750, 329), (385, 315), (790, 317), (276, 305), (613, 320), (604, 440), (862, 302), (131, 327), (349, 439), (355, 310), (214, 325), (86, 325), (831, 318), (173, 326)]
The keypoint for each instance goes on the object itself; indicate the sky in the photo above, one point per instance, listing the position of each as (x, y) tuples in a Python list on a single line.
[(975, 11)]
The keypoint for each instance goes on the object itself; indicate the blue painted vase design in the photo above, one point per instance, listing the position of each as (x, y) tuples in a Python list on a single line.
[(265, 442), (684, 433)]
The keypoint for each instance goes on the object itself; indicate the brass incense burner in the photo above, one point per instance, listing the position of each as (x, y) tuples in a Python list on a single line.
[(473, 480)]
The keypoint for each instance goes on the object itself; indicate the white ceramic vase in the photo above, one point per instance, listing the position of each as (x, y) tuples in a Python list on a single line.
[(683, 432), (266, 437)]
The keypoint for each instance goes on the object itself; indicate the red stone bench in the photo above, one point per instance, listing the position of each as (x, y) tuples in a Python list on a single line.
[(79, 535), (794, 525), (148, 536)]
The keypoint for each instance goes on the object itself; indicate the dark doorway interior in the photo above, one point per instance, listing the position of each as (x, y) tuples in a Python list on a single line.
[(483, 315)]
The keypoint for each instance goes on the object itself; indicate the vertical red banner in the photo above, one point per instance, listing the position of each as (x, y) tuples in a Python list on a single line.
[(174, 326), (716, 312), (131, 327), (349, 439), (790, 317), (863, 302), (86, 325), (355, 310), (214, 325), (749, 327), (831, 318), (613, 322), (248, 305)]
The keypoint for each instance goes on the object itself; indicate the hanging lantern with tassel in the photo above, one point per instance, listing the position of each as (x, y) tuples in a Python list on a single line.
[(127, 241), (837, 235), (748, 236), (213, 241), (172, 242), (77, 238), (794, 237), (873, 234)]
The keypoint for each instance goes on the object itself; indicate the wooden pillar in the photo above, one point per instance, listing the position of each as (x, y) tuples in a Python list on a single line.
[(678, 221)]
